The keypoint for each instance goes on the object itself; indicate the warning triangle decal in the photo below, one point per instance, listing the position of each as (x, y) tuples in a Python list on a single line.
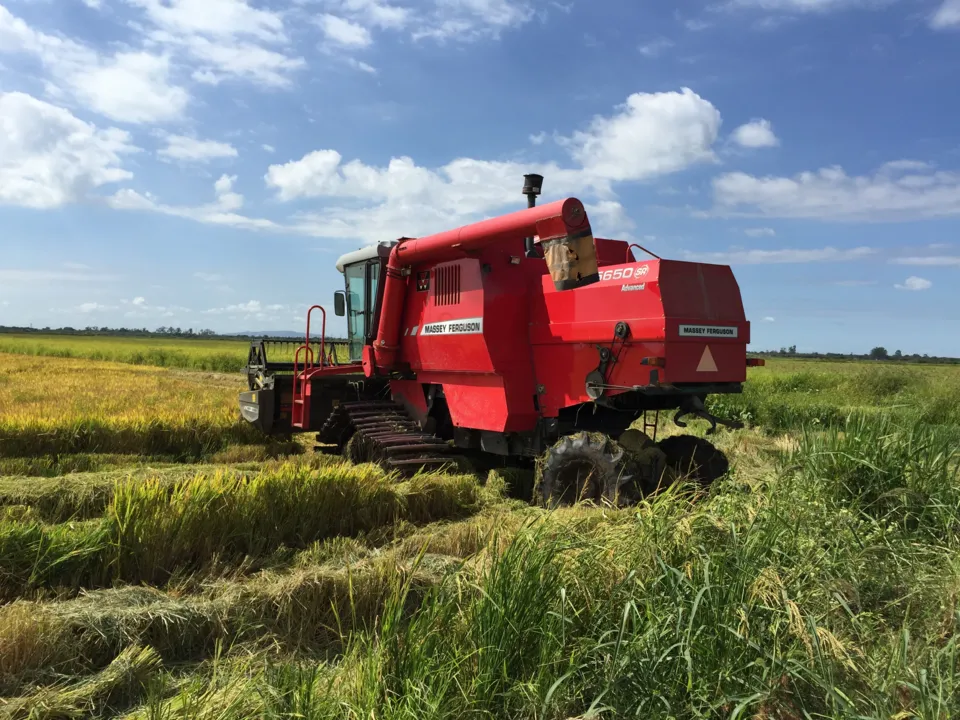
[(707, 363)]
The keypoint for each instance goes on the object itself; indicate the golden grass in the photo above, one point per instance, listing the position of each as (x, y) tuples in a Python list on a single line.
[(51, 406)]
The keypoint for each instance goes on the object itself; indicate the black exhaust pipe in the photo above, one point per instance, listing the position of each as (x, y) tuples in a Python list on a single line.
[(532, 185)]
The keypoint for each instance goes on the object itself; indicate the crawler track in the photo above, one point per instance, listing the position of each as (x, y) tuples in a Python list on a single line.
[(383, 433)]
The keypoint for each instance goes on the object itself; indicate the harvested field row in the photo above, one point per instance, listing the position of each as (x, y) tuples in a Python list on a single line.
[(154, 530)]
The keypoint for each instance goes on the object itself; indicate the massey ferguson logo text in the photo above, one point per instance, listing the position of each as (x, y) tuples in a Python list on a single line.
[(466, 326), (712, 331)]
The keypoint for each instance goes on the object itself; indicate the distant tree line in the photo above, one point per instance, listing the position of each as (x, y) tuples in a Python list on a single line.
[(878, 353), (163, 331)]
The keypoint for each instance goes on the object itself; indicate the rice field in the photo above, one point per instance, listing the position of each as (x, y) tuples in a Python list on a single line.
[(193, 354), (158, 561)]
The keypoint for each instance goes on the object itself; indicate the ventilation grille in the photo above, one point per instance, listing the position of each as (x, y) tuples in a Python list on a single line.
[(446, 285)]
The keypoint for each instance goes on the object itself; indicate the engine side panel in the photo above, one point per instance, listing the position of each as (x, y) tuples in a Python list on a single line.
[(466, 328)]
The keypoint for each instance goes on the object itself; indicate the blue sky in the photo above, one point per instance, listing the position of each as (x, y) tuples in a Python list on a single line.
[(202, 163)]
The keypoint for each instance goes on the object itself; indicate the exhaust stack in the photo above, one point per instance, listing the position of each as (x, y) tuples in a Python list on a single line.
[(532, 186)]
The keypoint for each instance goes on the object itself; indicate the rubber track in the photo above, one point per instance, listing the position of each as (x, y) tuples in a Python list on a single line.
[(385, 434)]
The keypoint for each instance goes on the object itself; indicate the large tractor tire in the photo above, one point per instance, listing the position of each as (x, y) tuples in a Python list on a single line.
[(589, 467), (694, 458)]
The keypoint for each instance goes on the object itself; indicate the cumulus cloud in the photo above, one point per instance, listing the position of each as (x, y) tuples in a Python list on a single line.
[(226, 38), (90, 307), (947, 16), (49, 157), (223, 211), (769, 319), (914, 283), (655, 47), (182, 147), (650, 135), (899, 190), (208, 277), (806, 6), (130, 86), (252, 308), (755, 134), (931, 260), (343, 32)]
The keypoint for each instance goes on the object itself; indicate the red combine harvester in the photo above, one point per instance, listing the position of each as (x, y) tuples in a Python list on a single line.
[(517, 339)]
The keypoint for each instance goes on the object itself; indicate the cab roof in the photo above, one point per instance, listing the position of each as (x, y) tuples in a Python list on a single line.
[(380, 249)]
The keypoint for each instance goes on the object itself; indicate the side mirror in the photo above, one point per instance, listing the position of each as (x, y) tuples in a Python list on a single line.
[(339, 303)]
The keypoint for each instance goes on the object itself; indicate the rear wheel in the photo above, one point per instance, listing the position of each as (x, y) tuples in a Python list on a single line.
[(586, 467), (694, 458)]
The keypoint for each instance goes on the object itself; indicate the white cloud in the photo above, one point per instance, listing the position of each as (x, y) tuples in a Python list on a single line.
[(343, 32), (784, 255), (253, 307), (208, 277), (139, 301), (90, 307), (755, 134), (897, 191), (181, 147), (467, 20), (914, 283), (268, 148), (806, 6), (930, 260), (769, 319), (223, 211), (130, 86), (75, 266), (651, 134), (374, 13), (216, 18), (362, 66), (49, 158), (227, 38), (947, 16), (655, 47), (220, 60), (440, 20), (760, 232), (538, 138)]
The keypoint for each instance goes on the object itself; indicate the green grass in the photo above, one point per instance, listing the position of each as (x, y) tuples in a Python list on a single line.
[(787, 395)]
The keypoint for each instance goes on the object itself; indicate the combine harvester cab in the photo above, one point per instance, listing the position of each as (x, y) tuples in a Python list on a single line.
[(513, 340)]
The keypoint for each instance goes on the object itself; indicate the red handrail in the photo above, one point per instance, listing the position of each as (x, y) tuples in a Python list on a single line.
[(630, 257), (308, 361), (323, 332)]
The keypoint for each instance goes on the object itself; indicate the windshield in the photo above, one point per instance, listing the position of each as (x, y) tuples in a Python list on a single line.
[(356, 307)]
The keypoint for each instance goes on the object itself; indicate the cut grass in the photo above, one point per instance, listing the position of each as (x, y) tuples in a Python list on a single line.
[(154, 530)]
